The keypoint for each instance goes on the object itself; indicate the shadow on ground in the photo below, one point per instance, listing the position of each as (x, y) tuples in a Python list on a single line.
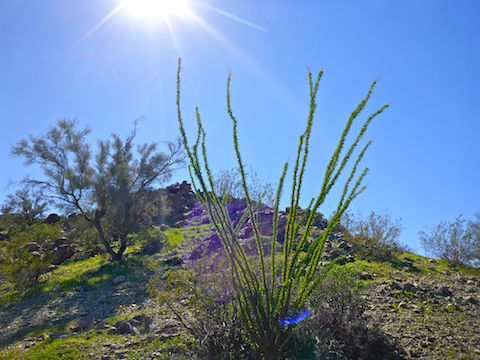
[(78, 306)]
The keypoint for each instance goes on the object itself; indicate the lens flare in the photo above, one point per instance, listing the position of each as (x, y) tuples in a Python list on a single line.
[(295, 319)]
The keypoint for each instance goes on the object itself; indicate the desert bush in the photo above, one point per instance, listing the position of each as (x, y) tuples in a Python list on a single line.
[(151, 240), (337, 317), (229, 183), (26, 255), (451, 241), (279, 289), (474, 230), (338, 327), (84, 237), (376, 236), (203, 310)]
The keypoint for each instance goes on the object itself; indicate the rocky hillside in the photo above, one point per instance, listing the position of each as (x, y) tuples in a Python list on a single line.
[(91, 308)]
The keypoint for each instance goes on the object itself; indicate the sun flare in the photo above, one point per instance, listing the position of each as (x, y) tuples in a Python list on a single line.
[(156, 9)]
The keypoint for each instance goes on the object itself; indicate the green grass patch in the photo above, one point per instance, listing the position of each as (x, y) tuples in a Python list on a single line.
[(74, 347), (91, 345), (174, 237), (184, 239)]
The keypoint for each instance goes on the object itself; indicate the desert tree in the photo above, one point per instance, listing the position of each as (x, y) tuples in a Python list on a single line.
[(109, 189), (451, 241), (26, 203)]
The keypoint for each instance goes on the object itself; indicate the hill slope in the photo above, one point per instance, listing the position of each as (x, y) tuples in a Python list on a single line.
[(95, 309)]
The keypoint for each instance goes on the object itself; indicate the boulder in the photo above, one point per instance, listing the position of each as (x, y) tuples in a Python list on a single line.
[(122, 327), (365, 275), (142, 320), (175, 201), (52, 219), (265, 225), (62, 252)]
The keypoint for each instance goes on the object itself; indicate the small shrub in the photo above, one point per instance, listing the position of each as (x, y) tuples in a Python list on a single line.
[(377, 236), (337, 327), (337, 312), (26, 255), (451, 241), (84, 236), (213, 321), (151, 241), (474, 230)]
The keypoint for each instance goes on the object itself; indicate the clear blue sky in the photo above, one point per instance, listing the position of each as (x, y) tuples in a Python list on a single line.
[(55, 62)]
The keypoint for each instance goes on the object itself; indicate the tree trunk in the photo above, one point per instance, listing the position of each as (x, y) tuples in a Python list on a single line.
[(117, 256), (123, 246)]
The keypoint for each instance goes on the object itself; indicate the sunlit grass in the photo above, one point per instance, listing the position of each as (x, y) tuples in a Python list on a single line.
[(186, 236), (74, 347)]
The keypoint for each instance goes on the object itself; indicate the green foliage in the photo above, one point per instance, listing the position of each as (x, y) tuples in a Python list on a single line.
[(151, 240), (113, 192), (71, 348), (27, 255), (84, 236), (377, 236), (452, 241), (277, 289), (174, 237), (26, 203)]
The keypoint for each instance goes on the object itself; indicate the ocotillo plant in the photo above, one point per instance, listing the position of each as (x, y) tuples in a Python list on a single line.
[(267, 304)]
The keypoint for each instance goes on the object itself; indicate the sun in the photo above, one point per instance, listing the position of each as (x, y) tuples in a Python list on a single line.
[(156, 9)]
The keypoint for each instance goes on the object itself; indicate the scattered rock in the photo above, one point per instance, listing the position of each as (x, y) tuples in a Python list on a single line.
[(119, 279), (365, 275), (78, 326), (396, 286), (173, 259), (410, 287), (470, 299), (445, 291)]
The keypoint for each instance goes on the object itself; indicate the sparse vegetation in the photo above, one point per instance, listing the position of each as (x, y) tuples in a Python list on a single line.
[(453, 241)]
